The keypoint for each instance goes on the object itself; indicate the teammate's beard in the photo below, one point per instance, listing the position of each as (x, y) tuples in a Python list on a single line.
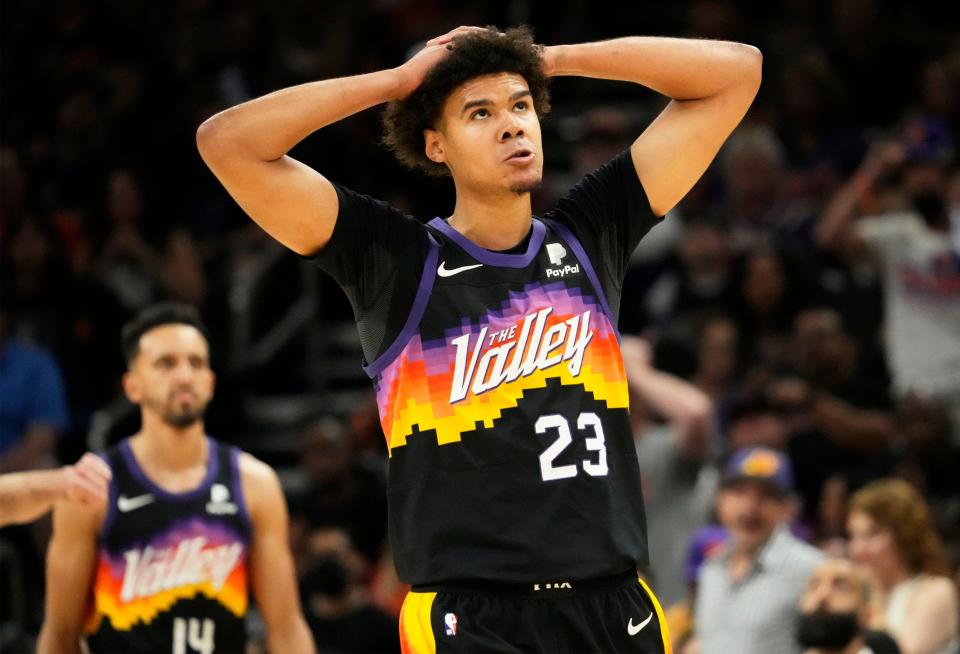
[(176, 416), (183, 419)]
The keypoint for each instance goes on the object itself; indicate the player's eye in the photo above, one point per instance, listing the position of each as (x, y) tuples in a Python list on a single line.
[(521, 105), (479, 113)]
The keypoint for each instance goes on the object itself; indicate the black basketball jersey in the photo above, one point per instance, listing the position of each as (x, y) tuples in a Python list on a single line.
[(171, 573), (505, 407)]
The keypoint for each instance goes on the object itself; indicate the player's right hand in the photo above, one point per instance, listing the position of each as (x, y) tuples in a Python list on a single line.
[(416, 68), (87, 481)]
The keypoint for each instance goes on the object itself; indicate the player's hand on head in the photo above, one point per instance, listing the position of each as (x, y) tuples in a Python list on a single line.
[(452, 34), (416, 68), (87, 481)]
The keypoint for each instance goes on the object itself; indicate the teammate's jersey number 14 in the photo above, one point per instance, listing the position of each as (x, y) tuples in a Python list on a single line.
[(589, 425)]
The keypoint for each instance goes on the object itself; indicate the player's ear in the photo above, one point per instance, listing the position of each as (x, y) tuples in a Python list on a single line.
[(433, 146), (131, 387)]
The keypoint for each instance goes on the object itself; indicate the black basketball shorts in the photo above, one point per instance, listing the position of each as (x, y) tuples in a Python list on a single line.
[(612, 614)]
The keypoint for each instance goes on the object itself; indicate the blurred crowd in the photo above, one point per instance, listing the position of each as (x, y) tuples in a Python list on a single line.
[(796, 365)]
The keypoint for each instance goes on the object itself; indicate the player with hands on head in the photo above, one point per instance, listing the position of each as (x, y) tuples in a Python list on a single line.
[(491, 335)]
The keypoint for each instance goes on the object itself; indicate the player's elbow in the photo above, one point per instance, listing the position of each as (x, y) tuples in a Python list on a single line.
[(751, 59), (216, 139)]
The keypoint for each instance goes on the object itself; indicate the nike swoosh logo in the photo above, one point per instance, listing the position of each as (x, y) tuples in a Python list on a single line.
[(443, 271), (126, 504), (634, 629)]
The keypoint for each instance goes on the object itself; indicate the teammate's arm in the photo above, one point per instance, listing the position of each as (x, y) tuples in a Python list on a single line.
[(25, 496), (246, 148), (272, 572), (711, 83), (71, 556)]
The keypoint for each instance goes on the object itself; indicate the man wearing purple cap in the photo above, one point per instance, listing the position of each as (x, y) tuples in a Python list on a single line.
[(749, 592)]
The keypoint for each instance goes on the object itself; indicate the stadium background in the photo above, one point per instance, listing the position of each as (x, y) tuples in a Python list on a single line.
[(106, 207)]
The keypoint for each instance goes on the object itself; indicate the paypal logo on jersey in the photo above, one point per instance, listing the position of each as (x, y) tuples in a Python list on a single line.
[(557, 252)]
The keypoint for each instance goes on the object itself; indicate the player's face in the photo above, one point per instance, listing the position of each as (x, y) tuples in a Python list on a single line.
[(489, 136), (751, 510), (171, 375), (834, 587)]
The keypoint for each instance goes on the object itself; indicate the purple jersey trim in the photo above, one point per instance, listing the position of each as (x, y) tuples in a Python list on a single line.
[(238, 490), (213, 464), (574, 244), (111, 501), (416, 313), (491, 257)]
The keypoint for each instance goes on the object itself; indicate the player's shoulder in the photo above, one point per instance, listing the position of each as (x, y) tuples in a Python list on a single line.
[(254, 471)]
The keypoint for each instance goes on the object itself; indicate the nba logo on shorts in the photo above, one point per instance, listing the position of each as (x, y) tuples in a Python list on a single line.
[(450, 620)]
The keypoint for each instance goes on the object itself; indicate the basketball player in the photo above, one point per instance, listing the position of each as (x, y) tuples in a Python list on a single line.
[(491, 336), (26, 496), (190, 523)]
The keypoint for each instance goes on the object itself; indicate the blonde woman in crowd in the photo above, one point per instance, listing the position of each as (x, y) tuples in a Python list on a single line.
[(893, 536)]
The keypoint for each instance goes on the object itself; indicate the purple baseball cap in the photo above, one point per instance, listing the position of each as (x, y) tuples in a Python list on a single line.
[(760, 464)]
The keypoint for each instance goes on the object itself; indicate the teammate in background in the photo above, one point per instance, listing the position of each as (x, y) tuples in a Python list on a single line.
[(190, 525), (26, 496), (491, 336)]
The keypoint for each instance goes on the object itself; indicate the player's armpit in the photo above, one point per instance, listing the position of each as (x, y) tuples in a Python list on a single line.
[(71, 557), (271, 564)]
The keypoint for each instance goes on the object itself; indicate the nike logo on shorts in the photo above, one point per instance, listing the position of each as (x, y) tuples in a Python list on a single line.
[(634, 629), (126, 504), (443, 271)]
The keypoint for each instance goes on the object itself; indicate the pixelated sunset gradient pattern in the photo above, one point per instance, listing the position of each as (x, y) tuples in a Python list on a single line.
[(414, 389), (123, 616)]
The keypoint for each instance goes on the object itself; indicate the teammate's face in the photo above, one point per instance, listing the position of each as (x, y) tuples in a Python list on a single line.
[(489, 136), (171, 375), (751, 510)]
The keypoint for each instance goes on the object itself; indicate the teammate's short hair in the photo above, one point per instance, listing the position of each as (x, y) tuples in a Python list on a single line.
[(472, 55), (164, 313)]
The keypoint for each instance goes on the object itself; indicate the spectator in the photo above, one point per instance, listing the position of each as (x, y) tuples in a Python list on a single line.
[(718, 358), (701, 277), (893, 537), (920, 265), (339, 612), (748, 593), (767, 296), (835, 612), (341, 492), (33, 415), (676, 467), (840, 418)]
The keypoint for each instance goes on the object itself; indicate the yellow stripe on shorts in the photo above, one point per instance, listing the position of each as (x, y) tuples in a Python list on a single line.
[(416, 633), (664, 631)]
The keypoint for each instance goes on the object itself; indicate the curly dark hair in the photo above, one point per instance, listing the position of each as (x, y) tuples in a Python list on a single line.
[(472, 55)]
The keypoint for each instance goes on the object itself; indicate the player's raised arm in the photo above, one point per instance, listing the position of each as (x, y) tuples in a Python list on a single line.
[(712, 83), (273, 577), (246, 147)]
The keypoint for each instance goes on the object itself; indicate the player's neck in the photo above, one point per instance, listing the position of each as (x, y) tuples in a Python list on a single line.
[(168, 448), (494, 222)]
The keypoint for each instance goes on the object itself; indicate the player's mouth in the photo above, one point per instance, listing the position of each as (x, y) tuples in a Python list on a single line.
[(521, 157)]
